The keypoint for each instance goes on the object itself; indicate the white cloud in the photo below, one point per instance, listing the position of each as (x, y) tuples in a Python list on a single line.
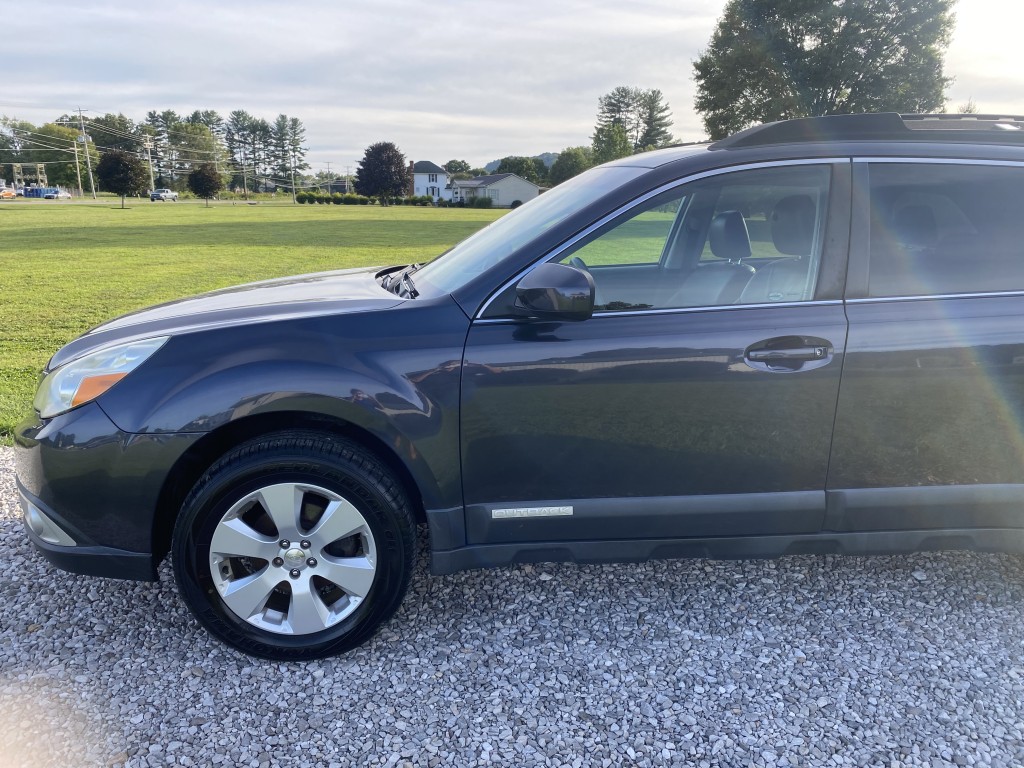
[(453, 78)]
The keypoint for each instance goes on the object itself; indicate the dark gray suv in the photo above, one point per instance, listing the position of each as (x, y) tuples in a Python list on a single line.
[(806, 338)]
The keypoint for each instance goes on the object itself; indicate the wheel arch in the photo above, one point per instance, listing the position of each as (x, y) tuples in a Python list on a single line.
[(191, 465)]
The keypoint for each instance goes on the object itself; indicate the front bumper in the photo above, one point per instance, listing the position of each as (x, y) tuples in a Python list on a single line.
[(78, 474), (51, 538)]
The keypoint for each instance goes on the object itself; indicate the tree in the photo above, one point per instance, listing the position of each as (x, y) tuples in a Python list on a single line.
[(778, 59), (382, 172), (194, 144), (457, 166), (643, 115), (287, 136), (112, 131), (570, 162), (656, 120), (205, 181), (968, 107), (122, 173), (611, 143), (524, 167), (210, 118), (160, 126)]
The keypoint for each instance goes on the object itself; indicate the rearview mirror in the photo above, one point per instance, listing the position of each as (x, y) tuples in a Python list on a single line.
[(556, 292)]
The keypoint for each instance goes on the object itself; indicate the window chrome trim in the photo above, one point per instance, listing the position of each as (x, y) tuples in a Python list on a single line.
[(939, 161), (636, 202), (674, 310), (934, 296)]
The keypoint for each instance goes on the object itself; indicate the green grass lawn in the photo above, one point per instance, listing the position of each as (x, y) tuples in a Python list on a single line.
[(65, 267)]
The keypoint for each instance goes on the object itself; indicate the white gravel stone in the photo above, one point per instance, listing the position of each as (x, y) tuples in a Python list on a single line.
[(803, 661)]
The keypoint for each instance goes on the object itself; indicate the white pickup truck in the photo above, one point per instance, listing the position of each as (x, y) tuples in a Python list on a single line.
[(163, 194)]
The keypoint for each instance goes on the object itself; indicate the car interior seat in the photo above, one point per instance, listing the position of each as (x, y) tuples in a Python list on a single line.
[(719, 282), (793, 222)]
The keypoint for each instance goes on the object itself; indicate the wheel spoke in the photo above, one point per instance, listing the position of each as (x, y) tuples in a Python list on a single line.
[(249, 595), (307, 612), (282, 502), (352, 574), (235, 538), (284, 595), (339, 520)]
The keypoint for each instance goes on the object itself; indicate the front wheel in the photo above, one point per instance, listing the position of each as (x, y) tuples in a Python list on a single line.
[(294, 546)]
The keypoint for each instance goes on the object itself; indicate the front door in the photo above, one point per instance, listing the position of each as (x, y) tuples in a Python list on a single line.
[(698, 400)]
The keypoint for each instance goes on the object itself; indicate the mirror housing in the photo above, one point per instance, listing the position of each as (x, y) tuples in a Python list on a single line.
[(556, 292)]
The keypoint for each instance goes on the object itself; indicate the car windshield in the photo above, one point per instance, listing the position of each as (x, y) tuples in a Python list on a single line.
[(482, 250)]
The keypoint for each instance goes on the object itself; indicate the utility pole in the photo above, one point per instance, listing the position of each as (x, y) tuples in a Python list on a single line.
[(85, 146), (78, 171), (328, 178), (348, 180), (148, 144), (293, 178), (245, 183)]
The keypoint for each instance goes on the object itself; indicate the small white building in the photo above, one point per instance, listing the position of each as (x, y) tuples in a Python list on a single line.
[(427, 178), (503, 189)]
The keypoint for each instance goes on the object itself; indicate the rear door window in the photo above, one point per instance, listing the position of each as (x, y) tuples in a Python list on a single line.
[(945, 229)]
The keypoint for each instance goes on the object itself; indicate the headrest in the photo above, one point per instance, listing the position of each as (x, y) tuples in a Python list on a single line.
[(728, 235), (793, 225), (914, 226)]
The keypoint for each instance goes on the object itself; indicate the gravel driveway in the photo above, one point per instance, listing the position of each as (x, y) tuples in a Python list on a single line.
[(801, 661)]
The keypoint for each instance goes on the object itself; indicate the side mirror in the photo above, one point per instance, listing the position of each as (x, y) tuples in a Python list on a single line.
[(556, 292)]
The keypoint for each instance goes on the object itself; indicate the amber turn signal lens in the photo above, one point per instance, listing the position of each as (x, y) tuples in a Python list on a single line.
[(94, 386)]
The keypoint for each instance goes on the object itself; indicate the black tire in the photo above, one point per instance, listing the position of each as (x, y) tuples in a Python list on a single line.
[(311, 459)]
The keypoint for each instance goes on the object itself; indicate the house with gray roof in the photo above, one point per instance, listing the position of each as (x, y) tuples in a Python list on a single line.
[(503, 189), (427, 178)]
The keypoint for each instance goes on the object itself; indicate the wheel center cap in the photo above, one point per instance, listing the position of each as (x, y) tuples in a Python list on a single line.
[(295, 557)]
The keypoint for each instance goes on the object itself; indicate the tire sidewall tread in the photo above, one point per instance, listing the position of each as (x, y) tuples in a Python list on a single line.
[(303, 456)]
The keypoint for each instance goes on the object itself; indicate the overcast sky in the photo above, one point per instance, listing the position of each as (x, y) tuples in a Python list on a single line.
[(443, 79)]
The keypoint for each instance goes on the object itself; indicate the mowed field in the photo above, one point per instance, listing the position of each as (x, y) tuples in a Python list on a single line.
[(65, 267)]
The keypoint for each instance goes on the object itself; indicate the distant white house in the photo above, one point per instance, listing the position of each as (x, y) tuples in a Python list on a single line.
[(503, 189), (427, 178)]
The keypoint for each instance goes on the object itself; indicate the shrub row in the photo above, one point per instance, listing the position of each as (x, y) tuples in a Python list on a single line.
[(324, 198), (414, 200)]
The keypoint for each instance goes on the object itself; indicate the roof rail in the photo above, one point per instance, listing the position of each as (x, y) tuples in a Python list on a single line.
[(881, 126)]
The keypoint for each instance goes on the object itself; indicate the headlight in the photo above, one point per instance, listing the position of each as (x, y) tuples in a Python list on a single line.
[(86, 378)]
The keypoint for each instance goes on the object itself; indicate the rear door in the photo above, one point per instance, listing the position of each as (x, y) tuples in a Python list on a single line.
[(699, 400), (929, 426)]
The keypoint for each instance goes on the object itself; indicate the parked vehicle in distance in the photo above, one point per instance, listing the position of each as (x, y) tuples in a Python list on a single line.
[(162, 195), (7, 194), (643, 362), (40, 192), (57, 194)]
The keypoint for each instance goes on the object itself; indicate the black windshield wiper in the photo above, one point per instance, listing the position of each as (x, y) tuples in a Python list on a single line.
[(405, 288), (398, 281)]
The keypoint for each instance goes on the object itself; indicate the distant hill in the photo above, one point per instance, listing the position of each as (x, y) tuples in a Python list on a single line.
[(547, 157)]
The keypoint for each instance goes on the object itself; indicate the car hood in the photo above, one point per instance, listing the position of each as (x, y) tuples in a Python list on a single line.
[(322, 293)]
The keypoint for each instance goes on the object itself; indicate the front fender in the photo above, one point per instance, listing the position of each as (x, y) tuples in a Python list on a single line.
[(394, 373)]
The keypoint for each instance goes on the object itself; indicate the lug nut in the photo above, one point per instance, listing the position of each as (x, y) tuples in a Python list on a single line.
[(284, 544), (278, 562), (311, 562), (305, 544), (294, 573)]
